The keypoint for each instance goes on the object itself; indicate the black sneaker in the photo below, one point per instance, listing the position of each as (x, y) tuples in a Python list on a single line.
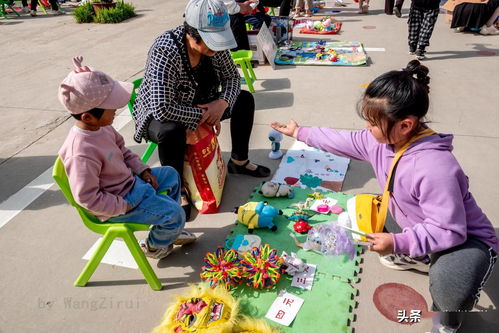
[(412, 49), (402, 262), (397, 12), (420, 54)]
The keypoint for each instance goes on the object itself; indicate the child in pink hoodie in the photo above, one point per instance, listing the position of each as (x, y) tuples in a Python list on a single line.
[(108, 179), (430, 200)]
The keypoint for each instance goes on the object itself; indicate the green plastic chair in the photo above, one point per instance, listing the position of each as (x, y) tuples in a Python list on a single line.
[(152, 146), (243, 59), (110, 232), (8, 4), (271, 11)]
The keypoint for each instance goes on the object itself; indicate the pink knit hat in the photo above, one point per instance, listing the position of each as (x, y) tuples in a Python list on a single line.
[(84, 89)]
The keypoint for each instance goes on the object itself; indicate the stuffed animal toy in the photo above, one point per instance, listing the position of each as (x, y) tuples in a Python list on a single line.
[(292, 263), (203, 310), (257, 215), (271, 189)]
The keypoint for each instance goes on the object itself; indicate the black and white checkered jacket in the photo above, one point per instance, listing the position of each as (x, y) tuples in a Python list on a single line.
[(167, 91)]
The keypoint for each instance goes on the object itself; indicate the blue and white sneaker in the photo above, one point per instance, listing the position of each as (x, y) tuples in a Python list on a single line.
[(402, 262)]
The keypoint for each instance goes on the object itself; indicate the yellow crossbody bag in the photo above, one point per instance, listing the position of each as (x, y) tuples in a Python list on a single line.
[(371, 209)]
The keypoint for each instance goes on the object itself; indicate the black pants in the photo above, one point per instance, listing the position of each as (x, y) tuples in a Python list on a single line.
[(34, 3), (457, 275), (171, 136), (389, 4)]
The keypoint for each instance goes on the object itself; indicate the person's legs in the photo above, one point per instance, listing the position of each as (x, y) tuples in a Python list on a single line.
[(171, 139), (457, 276), (34, 3), (159, 210), (238, 27), (285, 7), (414, 23), (241, 125), (389, 7), (493, 18), (428, 24), (54, 5)]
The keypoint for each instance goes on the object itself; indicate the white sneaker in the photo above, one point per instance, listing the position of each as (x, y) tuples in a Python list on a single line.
[(439, 328), (402, 262), (25, 10), (489, 30), (33, 13), (158, 253), (58, 12), (185, 237)]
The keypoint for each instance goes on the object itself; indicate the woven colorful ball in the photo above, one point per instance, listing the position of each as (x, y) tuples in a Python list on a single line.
[(222, 268), (262, 267)]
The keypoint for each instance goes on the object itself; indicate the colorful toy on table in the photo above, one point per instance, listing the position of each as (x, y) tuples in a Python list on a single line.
[(257, 215), (315, 195), (292, 263), (275, 137), (301, 226), (262, 267), (201, 310), (333, 56), (222, 268), (242, 243), (272, 189), (328, 239)]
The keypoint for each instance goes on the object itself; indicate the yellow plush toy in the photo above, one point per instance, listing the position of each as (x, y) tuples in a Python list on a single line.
[(252, 325), (203, 310)]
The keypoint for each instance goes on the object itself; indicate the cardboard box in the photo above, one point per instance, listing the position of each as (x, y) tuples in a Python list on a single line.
[(451, 4)]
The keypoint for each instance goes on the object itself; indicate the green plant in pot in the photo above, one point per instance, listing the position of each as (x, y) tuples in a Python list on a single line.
[(86, 13), (102, 4)]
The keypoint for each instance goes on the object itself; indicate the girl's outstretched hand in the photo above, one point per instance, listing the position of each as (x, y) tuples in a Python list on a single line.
[(381, 242), (290, 129)]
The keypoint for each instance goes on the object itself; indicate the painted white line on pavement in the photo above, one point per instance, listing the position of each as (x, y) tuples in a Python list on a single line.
[(374, 49), (25, 196)]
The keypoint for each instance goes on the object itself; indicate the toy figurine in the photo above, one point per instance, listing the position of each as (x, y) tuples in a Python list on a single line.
[(257, 215), (271, 189), (301, 226), (292, 263), (275, 137)]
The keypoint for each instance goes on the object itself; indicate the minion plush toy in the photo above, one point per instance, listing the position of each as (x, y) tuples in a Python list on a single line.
[(257, 215)]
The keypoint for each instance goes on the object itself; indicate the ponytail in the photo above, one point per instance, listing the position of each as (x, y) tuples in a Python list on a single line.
[(395, 95)]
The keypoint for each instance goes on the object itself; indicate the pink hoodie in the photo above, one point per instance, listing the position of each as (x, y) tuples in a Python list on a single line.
[(430, 198), (100, 170)]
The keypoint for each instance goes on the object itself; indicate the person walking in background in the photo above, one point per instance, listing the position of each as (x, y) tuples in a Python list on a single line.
[(397, 9), (422, 18)]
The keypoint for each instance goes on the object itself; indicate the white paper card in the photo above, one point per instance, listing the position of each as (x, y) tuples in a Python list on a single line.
[(285, 308), (305, 279), (324, 201), (118, 254)]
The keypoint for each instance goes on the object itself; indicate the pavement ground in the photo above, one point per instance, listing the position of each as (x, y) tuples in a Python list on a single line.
[(43, 244)]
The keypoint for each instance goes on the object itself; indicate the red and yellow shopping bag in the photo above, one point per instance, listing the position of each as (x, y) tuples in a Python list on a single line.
[(204, 169)]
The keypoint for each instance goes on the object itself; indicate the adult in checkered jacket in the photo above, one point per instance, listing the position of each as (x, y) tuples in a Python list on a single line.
[(190, 79), (422, 18)]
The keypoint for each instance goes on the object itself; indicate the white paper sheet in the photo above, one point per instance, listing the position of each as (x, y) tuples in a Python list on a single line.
[(305, 279), (285, 308), (118, 254)]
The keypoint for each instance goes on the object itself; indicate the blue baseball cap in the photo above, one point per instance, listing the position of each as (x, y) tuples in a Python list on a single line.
[(211, 19)]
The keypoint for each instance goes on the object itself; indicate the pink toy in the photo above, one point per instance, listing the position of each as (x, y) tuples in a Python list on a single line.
[(336, 209), (323, 208)]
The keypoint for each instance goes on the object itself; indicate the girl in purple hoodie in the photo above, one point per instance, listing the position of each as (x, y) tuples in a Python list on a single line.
[(441, 228)]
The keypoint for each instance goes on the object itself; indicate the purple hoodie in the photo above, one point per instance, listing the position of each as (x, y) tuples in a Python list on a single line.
[(430, 198)]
